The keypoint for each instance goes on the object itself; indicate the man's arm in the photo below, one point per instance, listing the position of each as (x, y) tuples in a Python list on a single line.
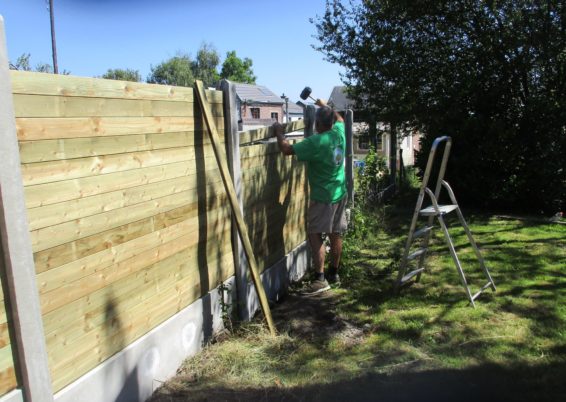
[(320, 102), (284, 146)]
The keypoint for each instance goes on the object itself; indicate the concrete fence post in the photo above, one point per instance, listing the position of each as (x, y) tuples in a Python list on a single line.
[(233, 151), (29, 345), (349, 123)]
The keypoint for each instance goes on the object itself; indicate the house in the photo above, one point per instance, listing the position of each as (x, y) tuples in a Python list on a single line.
[(258, 106), (363, 131)]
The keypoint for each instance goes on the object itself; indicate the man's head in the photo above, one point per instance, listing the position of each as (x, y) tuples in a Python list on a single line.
[(325, 119)]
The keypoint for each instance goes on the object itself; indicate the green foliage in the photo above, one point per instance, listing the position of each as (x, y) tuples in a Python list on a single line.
[(122, 75), (23, 64), (205, 66), (174, 71), (490, 74), (373, 178), (237, 70)]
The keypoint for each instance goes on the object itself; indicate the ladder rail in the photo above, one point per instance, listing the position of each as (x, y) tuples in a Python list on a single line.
[(469, 234), (428, 170)]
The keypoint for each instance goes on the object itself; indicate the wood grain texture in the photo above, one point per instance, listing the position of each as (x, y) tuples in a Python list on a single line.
[(67, 85)]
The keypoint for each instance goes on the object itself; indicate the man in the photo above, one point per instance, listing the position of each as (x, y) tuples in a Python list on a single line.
[(324, 153)]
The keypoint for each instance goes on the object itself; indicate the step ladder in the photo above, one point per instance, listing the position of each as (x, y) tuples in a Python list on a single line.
[(437, 211)]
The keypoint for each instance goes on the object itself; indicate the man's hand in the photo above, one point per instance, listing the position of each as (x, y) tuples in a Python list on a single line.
[(284, 145), (320, 102)]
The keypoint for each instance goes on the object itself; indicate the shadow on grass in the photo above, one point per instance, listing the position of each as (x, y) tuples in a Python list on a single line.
[(485, 382)]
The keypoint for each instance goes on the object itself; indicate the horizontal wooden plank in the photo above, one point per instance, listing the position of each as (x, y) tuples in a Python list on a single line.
[(71, 148), (212, 222), (69, 85), (68, 292), (52, 236), (69, 106), (70, 324), (68, 252), (48, 172), (8, 379), (34, 129), (267, 132), (54, 214), (52, 193), (121, 324)]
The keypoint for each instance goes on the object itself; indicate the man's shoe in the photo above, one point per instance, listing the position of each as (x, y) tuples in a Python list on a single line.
[(317, 286), (333, 278)]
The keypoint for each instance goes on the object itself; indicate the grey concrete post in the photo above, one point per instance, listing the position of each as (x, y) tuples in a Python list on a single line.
[(349, 123), (32, 365), (233, 151), (309, 115)]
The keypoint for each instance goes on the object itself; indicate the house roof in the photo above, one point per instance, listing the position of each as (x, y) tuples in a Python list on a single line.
[(295, 109), (257, 94), (339, 100)]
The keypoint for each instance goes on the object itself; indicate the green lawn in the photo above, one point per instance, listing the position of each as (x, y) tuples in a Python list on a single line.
[(427, 343)]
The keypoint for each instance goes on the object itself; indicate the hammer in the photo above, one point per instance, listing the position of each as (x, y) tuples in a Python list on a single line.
[(306, 93)]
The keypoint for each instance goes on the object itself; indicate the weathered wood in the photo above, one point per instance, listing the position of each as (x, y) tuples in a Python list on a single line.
[(68, 85), (221, 159), (29, 345), (39, 106), (8, 379), (264, 133), (61, 149), (52, 193)]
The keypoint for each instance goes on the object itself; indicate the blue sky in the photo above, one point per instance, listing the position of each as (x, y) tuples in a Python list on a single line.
[(95, 35)]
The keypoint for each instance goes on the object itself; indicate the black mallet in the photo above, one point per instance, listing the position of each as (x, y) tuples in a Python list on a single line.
[(306, 93)]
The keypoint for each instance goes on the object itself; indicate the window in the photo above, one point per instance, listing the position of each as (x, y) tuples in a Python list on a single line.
[(363, 142), (275, 116), (255, 112)]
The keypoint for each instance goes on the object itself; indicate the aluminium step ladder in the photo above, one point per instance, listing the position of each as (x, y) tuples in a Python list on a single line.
[(437, 211)]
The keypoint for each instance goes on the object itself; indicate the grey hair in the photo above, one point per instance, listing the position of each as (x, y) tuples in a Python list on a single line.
[(325, 116)]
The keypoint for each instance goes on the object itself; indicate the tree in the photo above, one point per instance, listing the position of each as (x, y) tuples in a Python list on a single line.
[(23, 64), (489, 73), (174, 71), (123, 75), (237, 70), (206, 65)]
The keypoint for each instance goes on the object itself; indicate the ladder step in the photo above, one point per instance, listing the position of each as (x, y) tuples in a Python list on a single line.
[(421, 232), (417, 253), (444, 209), (411, 274), (487, 285)]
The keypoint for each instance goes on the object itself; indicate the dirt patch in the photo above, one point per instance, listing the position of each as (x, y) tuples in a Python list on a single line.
[(311, 317)]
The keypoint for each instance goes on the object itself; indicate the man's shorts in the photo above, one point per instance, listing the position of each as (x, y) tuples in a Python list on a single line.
[(327, 218)]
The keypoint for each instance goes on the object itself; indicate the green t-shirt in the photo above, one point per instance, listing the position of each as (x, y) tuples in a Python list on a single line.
[(324, 154)]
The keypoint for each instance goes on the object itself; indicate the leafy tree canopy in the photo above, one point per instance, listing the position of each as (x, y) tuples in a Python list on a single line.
[(491, 74), (23, 64), (122, 74), (206, 65), (237, 70), (174, 71)]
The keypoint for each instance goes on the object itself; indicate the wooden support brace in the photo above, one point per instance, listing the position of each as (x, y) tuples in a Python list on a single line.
[(242, 229)]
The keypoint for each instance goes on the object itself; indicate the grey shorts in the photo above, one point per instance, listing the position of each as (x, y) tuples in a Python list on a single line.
[(327, 218)]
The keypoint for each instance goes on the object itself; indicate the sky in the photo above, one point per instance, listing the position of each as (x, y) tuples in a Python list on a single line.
[(95, 35)]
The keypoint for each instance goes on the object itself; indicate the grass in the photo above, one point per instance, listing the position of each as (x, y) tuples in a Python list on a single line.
[(427, 343)]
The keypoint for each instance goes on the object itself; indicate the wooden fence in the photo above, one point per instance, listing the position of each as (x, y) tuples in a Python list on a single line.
[(127, 216), (127, 212)]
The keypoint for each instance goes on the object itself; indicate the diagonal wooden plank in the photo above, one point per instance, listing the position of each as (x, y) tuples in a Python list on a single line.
[(226, 178)]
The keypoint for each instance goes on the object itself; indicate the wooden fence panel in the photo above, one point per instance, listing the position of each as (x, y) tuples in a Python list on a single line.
[(8, 380), (275, 198), (126, 210)]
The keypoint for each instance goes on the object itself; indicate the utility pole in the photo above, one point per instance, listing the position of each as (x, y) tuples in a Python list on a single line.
[(53, 42)]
